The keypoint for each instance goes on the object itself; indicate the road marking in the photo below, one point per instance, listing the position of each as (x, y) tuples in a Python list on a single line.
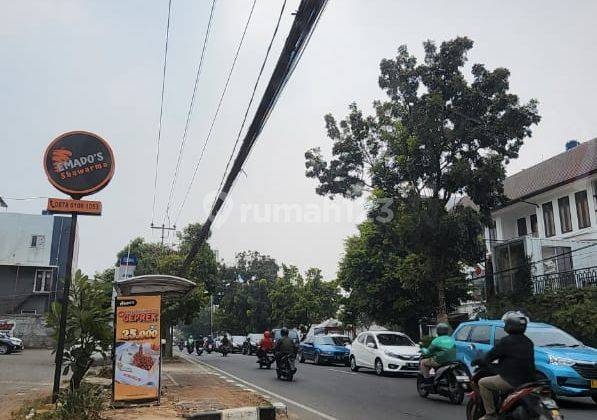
[(273, 394), (342, 371), (171, 378)]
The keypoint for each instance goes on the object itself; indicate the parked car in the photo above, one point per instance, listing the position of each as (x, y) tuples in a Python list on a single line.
[(6, 346), (17, 342), (569, 365), (293, 334), (237, 342), (251, 343), (384, 351), (324, 349)]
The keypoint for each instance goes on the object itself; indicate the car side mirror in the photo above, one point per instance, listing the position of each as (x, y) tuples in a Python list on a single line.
[(472, 346), (371, 345)]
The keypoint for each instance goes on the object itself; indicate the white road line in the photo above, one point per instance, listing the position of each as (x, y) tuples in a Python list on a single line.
[(342, 371), (273, 394), (172, 379)]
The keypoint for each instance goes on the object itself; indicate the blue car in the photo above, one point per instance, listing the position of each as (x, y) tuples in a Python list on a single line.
[(325, 349), (570, 366)]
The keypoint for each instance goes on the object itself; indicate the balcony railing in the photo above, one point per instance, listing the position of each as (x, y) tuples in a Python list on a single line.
[(584, 277)]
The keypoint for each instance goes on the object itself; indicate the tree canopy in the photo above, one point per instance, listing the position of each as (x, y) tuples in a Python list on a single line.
[(437, 136)]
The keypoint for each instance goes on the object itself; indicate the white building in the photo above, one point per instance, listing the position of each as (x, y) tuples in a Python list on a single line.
[(551, 220)]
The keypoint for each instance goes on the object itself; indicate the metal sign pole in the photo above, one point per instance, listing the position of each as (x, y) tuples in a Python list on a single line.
[(64, 308)]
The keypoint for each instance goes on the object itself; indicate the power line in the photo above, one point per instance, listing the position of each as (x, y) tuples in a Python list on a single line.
[(191, 106), (242, 126), (304, 23), (207, 138), (157, 155)]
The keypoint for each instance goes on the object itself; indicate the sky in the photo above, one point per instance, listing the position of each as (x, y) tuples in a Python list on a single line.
[(97, 66)]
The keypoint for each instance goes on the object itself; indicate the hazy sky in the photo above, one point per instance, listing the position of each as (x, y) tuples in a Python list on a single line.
[(96, 66)]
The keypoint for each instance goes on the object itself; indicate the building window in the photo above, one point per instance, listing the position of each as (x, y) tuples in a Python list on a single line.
[(43, 281), (522, 226), (565, 219), (37, 241), (550, 227), (582, 209), (534, 229)]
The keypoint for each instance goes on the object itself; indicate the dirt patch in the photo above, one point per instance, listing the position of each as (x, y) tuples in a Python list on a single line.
[(190, 389), (13, 402)]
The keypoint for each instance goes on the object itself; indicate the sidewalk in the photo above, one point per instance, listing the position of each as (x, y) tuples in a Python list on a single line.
[(191, 389)]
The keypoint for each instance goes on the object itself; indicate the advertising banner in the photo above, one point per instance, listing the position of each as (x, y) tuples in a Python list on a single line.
[(137, 348)]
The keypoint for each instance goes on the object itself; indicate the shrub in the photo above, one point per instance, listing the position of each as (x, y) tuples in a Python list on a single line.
[(573, 310), (83, 403)]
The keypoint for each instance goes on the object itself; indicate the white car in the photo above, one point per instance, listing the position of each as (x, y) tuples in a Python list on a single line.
[(384, 351)]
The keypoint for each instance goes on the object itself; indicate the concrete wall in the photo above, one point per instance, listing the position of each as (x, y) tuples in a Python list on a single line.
[(31, 329)]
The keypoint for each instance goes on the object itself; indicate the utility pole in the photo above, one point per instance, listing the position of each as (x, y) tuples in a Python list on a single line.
[(163, 228)]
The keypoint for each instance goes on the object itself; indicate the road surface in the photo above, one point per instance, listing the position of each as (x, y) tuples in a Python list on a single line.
[(334, 392)]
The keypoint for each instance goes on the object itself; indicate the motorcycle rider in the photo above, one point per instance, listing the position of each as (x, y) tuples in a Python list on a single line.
[(516, 362), (265, 345), (441, 351), (190, 344), (285, 345), (199, 344), (225, 341)]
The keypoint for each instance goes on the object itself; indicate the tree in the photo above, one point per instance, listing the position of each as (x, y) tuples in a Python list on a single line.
[(88, 328), (436, 137), (154, 258)]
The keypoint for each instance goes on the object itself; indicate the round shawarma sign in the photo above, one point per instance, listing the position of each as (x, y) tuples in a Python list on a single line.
[(79, 163)]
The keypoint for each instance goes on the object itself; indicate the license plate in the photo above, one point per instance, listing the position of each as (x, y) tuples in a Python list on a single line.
[(593, 383), (556, 414), (462, 378)]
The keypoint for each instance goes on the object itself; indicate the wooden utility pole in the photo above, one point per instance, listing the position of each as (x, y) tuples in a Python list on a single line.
[(163, 228)]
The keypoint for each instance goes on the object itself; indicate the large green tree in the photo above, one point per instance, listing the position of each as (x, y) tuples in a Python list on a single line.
[(437, 136), (154, 258)]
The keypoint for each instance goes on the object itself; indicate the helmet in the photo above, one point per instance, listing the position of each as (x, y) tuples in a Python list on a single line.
[(442, 329), (284, 332), (515, 322)]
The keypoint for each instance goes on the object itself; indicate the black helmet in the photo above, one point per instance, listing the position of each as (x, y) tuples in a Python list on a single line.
[(442, 329), (515, 322), (284, 332)]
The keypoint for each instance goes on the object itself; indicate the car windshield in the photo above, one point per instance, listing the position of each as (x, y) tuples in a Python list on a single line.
[(394, 340), (551, 337), (341, 341), (238, 338), (255, 337), (325, 340)]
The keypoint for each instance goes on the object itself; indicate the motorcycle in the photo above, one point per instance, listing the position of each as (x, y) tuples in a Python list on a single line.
[(450, 380), (265, 359), (199, 348), (528, 401), (190, 347), (180, 345), (225, 350), (209, 348), (284, 369)]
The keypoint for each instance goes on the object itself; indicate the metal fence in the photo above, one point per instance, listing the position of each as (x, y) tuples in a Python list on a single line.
[(584, 277)]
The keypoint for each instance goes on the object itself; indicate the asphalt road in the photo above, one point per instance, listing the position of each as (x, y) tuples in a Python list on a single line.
[(334, 392)]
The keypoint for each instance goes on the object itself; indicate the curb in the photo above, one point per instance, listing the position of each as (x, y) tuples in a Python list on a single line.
[(244, 413)]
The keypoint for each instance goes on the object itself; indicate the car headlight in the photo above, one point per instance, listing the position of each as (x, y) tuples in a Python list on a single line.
[(394, 355), (561, 361)]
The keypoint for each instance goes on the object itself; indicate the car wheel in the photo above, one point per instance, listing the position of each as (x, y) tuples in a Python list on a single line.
[(353, 364), (317, 360), (4, 349), (379, 367)]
